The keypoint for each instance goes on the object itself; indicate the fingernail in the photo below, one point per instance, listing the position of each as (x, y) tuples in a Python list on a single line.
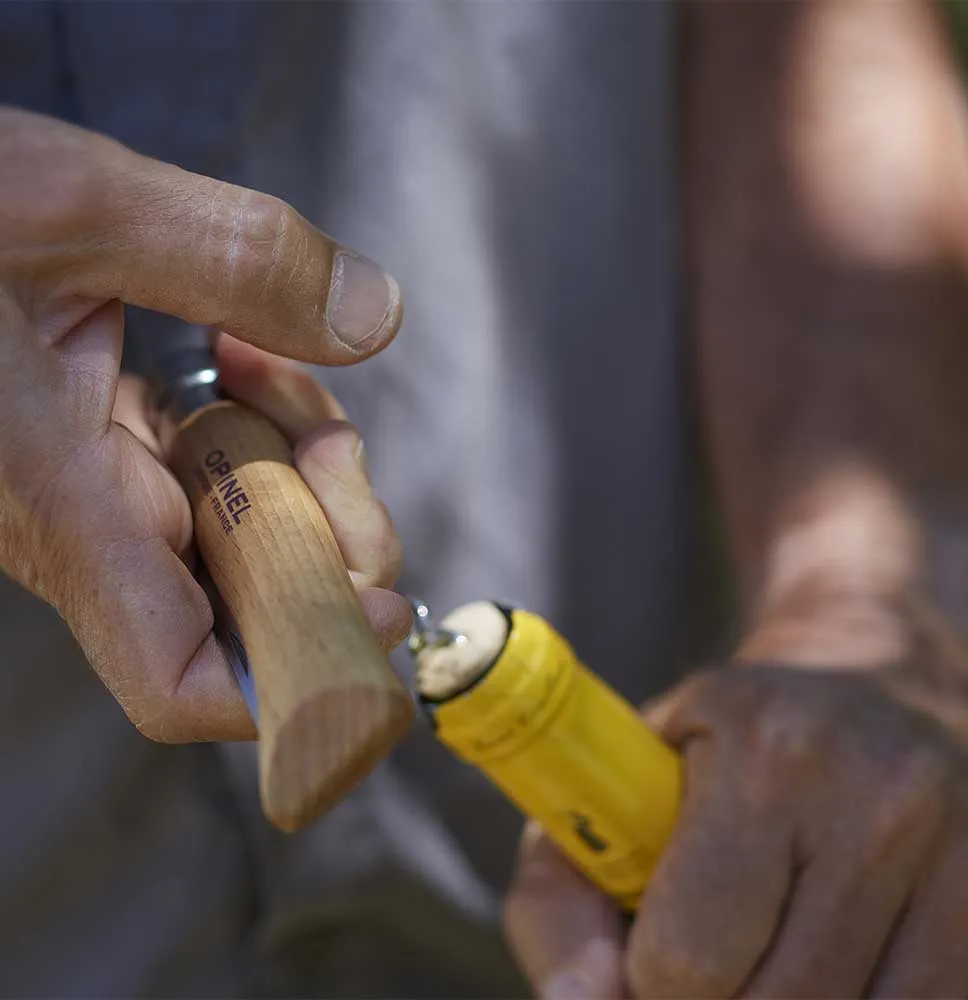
[(569, 985), (362, 299)]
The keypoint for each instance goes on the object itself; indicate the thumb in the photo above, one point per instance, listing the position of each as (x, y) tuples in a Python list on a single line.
[(566, 934), (152, 235)]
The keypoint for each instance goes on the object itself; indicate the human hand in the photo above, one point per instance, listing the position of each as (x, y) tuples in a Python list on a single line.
[(90, 518), (822, 850)]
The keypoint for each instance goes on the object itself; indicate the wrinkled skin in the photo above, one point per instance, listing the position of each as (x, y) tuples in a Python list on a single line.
[(91, 520), (822, 851)]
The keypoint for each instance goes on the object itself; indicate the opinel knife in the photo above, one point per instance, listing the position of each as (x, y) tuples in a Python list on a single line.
[(329, 706)]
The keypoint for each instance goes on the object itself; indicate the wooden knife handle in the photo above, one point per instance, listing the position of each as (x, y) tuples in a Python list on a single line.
[(330, 706)]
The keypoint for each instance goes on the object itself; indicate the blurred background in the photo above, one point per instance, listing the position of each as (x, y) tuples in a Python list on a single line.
[(514, 166)]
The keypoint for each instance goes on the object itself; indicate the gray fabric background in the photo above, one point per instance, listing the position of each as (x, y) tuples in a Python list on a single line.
[(512, 164)]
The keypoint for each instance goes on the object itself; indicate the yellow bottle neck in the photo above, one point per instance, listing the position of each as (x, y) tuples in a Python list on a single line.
[(514, 701)]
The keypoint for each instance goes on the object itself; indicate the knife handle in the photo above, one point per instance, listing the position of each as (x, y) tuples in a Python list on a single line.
[(330, 706)]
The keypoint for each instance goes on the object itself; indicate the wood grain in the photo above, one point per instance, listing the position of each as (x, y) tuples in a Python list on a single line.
[(330, 706)]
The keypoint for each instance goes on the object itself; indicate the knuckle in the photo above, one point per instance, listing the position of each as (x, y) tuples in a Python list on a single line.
[(138, 694), (698, 700), (153, 718), (265, 245), (699, 693), (786, 735), (915, 790), (300, 381), (152, 704), (713, 695), (146, 703), (672, 967), (264, 220)]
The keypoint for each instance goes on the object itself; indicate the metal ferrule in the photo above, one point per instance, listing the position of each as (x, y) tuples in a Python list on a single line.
[(186, 381), (184, 375)]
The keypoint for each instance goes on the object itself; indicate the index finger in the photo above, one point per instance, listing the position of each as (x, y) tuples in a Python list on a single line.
[(111, 224), (718, 892), (566, 933)]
